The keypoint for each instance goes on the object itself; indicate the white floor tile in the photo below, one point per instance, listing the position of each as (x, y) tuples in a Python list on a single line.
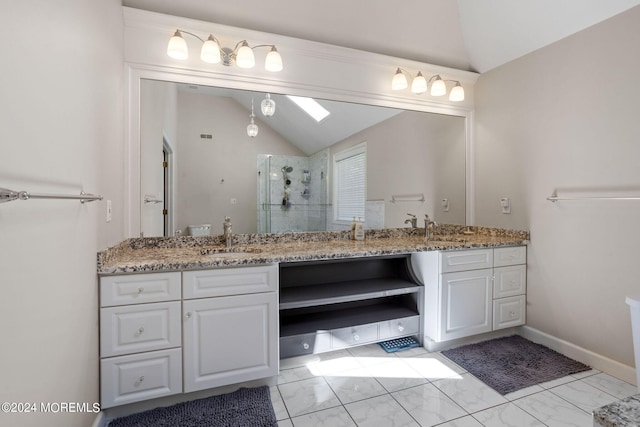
[(612, 385), (523, 392), (584, 374), (380, 411), (506, 415), (396, 375), (303, 397), (554, 411), (470, 393), (357, 387), (278, 404), (583, 395), (333, 417), (285, 423), (428, 405), (434, 366), (467, 421), (557, 382), (294, 374)]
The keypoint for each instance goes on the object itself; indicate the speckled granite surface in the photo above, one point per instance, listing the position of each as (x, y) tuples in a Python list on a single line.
[(624, 413), (178, 253)]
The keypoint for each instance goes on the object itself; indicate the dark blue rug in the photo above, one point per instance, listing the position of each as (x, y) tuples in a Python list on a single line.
[(512, 363), (246, 407)]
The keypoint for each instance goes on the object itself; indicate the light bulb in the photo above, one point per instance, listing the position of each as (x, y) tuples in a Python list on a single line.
[(419, 84), (399, 81), (457, 93), (273, 62), (244, 57), (438, 88), (252, 129), (268, 106), (177, 48), (210, 51)]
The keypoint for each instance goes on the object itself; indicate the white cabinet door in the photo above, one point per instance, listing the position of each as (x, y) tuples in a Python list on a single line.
[(466, 303), (229, 340)]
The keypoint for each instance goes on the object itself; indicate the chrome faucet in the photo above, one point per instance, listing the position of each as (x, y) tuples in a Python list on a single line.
[(413, 220), (228, 234), (428, 226)]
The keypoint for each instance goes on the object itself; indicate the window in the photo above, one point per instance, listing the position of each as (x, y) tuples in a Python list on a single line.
[(350, 176)]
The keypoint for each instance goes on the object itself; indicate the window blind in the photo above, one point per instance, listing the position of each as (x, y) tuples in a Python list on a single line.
[(350, 189)]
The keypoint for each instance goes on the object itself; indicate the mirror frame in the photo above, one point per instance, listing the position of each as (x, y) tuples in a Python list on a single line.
[(136, 72)]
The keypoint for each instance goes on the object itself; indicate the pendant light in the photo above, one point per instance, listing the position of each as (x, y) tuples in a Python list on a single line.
[(252, 128), (268, 106)]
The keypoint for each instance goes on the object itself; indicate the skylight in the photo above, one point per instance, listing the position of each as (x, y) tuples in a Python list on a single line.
[(311, 107)]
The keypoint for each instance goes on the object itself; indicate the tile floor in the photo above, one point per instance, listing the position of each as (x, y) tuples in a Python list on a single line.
[(365, 386)]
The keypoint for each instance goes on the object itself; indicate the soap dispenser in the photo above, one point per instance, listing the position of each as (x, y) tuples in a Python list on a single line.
[(359, 230)]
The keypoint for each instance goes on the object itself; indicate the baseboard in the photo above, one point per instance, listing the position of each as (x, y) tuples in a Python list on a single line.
[(588, 357), (431, 345)]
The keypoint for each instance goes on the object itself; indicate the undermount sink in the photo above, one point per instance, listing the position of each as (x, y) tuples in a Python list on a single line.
[(229, 252)]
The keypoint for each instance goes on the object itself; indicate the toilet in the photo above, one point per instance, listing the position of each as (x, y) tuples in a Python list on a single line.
[(199, 230), (634, 305)]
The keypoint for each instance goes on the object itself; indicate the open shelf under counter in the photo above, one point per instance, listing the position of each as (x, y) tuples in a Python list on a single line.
[(346, 291)]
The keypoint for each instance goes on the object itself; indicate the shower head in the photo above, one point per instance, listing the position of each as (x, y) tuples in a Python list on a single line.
[(287, 169)]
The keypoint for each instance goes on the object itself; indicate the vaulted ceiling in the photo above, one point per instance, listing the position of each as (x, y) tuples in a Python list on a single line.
[(474, 35)]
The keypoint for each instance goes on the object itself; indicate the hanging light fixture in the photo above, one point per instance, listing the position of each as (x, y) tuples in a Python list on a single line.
[(211, 52), (420, 84), (268, 106), (252, 128)]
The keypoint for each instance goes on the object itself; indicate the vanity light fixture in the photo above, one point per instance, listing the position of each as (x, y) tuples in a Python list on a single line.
[(268, 106), (212, 53), (420, 84), (252, 128)]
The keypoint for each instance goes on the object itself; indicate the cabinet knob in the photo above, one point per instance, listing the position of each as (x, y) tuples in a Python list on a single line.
[(188, 314), (140, 290), (400, 327), (356, 337), (512, 314), (139, 381), (140, 331), (305, 346)]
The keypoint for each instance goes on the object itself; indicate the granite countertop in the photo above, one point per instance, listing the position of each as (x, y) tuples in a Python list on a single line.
[(181, 253), (625, 412)]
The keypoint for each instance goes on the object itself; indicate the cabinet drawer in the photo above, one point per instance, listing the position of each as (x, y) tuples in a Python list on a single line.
[(466, 260), (509, 281), (127, 379), (139, 288), (511, 255), (508, 312), (354, 335), (229, 281), (298, 345), (142, 327), (399, 327)]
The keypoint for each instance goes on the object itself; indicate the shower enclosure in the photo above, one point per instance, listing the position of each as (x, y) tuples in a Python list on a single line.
[(292, 192)]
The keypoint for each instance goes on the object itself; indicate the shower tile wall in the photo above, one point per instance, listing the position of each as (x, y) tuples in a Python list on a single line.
[(302, 213)]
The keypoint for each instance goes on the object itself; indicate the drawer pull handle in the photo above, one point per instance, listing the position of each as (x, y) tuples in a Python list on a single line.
[(140, 331), (512, 314), (137, 383), (188, 315), (356, 337), (140, 290), (400, 328), (305, 346)]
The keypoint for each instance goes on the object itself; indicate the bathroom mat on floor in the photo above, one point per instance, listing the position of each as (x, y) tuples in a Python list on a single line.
[(512, 363), (246, 407)]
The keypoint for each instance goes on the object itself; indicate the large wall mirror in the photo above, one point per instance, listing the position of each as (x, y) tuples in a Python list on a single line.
[(198, 164)]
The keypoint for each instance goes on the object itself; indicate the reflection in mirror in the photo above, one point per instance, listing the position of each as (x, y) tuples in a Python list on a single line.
[(198, 163)]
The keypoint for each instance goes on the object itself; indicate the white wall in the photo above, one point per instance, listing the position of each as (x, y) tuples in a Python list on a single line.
[(60, 132), (415, 153), (566, 117), (213, 171)]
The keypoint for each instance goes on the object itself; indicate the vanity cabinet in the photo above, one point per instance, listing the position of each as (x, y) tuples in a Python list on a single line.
[(230, 326), (173, 332), (469, 292), (140, 337), (334, 304)]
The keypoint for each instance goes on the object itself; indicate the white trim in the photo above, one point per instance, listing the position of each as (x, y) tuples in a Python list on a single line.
[(588, 357)]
